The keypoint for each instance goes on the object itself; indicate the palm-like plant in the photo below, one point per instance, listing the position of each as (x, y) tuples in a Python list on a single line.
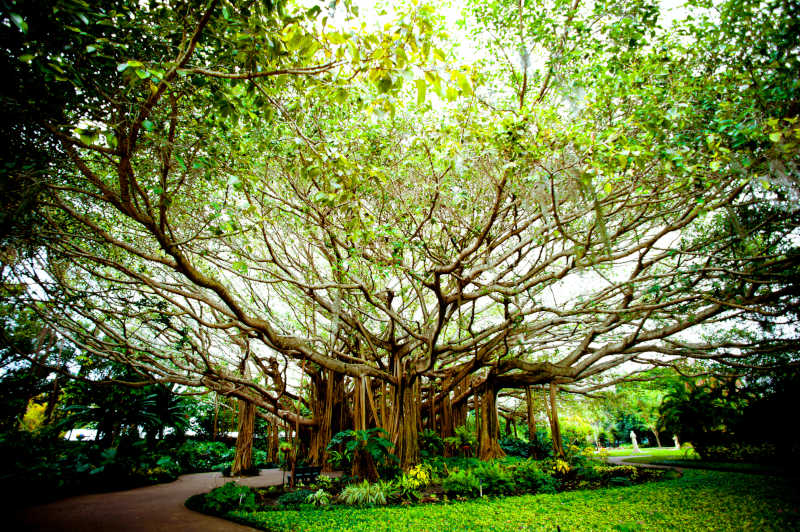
[(368, 448)]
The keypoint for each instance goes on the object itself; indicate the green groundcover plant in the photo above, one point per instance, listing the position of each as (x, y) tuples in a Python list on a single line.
[(700, 500)]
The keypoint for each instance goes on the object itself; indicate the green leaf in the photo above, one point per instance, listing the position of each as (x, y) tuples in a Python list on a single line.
[(121, 67), (775, 137), (148, 125), (19, 22), (422, 87), (463, 83)]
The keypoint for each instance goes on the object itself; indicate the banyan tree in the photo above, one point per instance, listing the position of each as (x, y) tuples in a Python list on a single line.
[(349, 229)]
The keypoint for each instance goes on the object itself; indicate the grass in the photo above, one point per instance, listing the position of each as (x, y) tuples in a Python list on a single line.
[(700, 500), (738, 467), (664, 452)]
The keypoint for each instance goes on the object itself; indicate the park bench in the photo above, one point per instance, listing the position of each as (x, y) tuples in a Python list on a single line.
[(305, 474)]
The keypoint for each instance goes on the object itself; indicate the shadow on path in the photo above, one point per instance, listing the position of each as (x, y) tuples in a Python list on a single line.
[(158, 507)]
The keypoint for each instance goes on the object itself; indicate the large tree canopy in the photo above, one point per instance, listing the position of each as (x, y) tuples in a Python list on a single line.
[(250, 190)]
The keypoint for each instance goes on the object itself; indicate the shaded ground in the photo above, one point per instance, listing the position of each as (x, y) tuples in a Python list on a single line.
[(158, 507), (623, 460)]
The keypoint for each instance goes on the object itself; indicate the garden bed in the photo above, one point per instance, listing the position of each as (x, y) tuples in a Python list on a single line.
[(439, 482), (699, 500)]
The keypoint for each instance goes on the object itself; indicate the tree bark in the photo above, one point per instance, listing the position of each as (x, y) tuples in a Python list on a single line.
[(243, 455), (655, 433), (555, 428), (328, 409), (405, 423), (52, 400), (489, 426), (529, 401), (446, 426)]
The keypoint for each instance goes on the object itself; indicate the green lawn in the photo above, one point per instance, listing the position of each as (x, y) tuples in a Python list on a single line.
[(664, 452), (678, 461), (700, 500)]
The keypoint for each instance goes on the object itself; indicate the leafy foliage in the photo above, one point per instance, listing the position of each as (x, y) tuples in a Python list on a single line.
[(518, 447), (364, 494), (296, 497), (371, 445), (732, 417), (461, 482), (496, 479), (430, 443), (697, 501), (319, 498), (230, 496), (529, 477), (463, 441)]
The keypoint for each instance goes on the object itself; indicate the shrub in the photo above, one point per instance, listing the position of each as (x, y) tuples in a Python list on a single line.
[(461, 482), (516, 447), (230, 496), (407, 486), (325, 483), (203, 455), (293, 498), (529, 477), (368, 445), (430, 443), (339, 460), (319, 498), (495, 479), (463, 442), (364, 494), (740, 452)]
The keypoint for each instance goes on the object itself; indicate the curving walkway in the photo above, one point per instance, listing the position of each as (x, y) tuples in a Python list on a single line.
[(158, 507)]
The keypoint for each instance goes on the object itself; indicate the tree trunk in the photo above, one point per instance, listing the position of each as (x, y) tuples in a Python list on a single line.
[(555, 428), (52, 399), (328, 410), (446, 426), (216, 418), (243, 455), (405, 423), (489, 427), (529, 401), (655, 433)]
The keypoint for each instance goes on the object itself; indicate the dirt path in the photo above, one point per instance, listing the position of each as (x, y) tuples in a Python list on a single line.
[(158, 507)]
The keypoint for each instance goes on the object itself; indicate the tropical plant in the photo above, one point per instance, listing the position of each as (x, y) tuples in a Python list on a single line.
[(463, 441), (364, 494), (319, 498), (530, 477), (495, 479), (230, 496), (461, 482), (339, 460), (370, 448), (430, 443), (293, 498), (195, 456), (517, 447)]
